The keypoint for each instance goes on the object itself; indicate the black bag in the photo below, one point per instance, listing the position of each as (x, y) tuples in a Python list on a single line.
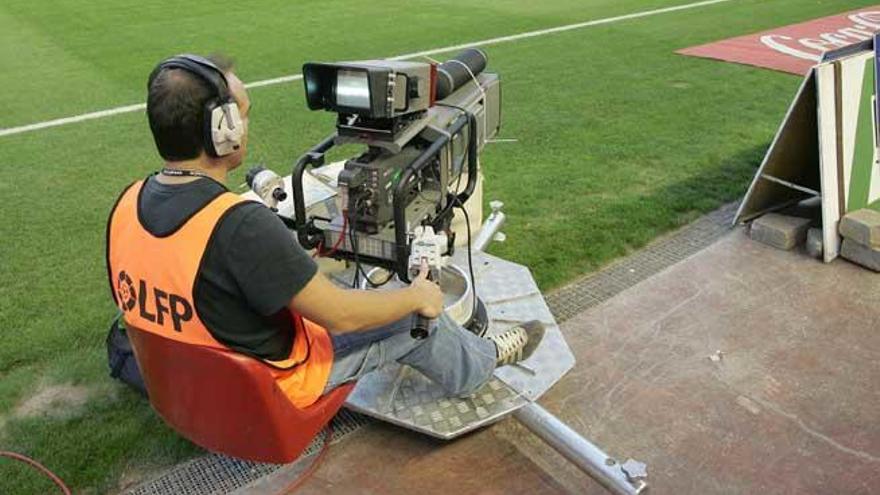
[(120, 357)]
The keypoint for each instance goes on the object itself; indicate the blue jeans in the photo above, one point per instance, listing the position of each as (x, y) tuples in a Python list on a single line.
[(451, 356)]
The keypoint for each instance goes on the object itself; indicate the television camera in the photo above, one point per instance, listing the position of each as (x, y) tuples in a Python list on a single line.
[(423, 126)]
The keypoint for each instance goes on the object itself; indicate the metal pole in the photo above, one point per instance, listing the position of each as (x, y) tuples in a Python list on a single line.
[(620, 479), (490, 227)]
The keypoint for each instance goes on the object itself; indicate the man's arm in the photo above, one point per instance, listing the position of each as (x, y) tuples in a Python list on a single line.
[(348, 310), (273, 273)]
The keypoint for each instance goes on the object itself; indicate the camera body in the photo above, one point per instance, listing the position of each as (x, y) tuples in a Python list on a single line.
[(420, 157)]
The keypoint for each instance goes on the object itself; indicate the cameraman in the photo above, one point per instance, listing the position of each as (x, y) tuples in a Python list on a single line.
[(212, 269)]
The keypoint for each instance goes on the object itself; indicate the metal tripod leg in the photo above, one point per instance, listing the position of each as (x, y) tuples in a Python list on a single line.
[(621, 479)]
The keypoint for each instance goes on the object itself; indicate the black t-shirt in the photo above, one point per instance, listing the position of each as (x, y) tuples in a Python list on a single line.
[(252, 266)]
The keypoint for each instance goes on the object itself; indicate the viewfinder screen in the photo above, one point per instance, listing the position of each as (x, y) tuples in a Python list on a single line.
[(352, 89)]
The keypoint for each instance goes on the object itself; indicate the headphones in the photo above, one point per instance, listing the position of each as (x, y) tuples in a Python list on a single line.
[(223, 129)]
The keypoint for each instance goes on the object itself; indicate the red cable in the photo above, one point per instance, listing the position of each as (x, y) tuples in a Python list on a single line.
[(318, 249), (39, 467), (328, 437), (338, 241), (297, 483)]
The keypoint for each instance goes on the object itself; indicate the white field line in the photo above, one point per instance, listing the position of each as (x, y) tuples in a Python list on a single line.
[(9, 131)]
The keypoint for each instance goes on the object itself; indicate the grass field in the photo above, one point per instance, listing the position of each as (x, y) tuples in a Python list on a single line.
[(618, 141)]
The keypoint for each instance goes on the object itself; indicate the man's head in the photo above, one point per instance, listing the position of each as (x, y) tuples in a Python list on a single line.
[(176, 102)]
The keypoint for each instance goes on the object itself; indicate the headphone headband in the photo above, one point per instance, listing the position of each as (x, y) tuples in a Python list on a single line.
[(201, 67)]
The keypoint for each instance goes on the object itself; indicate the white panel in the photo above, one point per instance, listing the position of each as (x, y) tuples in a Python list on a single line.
[(852, 78), (828, 159)]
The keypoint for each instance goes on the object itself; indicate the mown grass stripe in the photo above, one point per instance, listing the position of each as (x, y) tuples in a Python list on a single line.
[(137, 107)]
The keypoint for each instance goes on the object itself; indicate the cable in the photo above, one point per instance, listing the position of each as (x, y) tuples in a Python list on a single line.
[(464, 112), (471, 73), (358, 271), (298, 482), (467, 222), (39, 467), (346, 229), (476, 82), (366, 276), (375, 285), (338, 240), (461, 171), (467, 219)]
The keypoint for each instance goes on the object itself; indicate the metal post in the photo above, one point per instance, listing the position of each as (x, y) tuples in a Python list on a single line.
[(490, 227), (621, 479)]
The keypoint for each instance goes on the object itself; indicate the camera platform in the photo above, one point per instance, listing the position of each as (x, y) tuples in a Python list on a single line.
[(402, 396)]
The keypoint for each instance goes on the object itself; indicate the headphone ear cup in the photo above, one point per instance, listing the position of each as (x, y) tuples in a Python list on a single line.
[(211, 115), (236, 124), (225, 131)]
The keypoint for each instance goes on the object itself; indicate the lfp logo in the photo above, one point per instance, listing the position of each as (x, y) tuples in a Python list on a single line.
[(152, 303), (125, 292)]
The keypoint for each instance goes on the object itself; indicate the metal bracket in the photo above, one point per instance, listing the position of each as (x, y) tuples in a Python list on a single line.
[(634, 470), (626, 479)]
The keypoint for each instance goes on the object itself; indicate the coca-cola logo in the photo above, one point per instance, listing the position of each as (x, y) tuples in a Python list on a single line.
[(863, 27), (797, 47)]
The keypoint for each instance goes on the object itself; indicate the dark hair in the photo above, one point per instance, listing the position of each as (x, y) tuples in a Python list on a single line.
[(176, 110)]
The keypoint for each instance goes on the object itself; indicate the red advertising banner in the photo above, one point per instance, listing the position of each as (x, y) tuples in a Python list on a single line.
[(797, 47)]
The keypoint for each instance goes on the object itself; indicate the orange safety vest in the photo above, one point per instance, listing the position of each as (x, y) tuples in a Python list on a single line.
[(152, 280)]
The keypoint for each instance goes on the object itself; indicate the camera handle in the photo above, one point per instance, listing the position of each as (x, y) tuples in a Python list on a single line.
[(420, 329), (426, 253), (308, 235)]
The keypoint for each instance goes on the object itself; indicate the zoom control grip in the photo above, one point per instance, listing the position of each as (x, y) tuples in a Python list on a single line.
[(426, 254), (423, 324), (420, 330)]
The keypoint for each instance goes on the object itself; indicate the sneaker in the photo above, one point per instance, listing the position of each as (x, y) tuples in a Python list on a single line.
[(517, 343)]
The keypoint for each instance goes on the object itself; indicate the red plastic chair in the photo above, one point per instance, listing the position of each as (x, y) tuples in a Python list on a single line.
[(227, 402)]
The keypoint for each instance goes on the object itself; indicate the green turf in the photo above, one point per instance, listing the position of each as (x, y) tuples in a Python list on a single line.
[(618, 140), (65, 59)]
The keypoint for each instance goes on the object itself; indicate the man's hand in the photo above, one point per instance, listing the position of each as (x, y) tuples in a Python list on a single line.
[(427, 293), (350, 310)]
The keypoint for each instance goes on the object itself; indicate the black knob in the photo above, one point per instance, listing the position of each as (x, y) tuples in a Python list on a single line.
[(279, 194), (420, 330)]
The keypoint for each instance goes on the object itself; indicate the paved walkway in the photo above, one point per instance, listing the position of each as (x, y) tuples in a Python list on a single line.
[(791, 406)]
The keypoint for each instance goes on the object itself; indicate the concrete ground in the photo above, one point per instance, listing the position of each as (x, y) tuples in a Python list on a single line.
[(791, 406)]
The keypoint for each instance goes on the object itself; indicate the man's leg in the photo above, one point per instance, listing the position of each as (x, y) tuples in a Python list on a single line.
[(358, 353), (453, 357), (346, 343)]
